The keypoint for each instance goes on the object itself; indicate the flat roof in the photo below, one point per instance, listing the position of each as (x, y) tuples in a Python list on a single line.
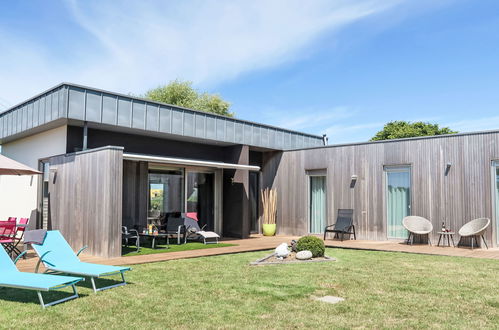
[(76, 104), (442, 136)]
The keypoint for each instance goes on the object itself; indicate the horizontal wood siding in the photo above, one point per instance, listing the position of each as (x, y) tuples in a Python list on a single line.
[(456, 198), (86, 200)]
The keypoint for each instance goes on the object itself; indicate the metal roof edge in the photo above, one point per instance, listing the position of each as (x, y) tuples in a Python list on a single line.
[(51, 89), (141, 99), (401, 140)]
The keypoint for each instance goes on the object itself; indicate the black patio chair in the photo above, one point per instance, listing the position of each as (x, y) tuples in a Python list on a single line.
[(130, 234), (344, 224), (175, 225)]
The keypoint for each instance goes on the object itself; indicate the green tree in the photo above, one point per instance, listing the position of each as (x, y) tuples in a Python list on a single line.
[(403, 129), (182, 93)]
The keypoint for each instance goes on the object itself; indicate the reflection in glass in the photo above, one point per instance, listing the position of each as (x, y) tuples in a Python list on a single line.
[(165, 192), (200, 198)]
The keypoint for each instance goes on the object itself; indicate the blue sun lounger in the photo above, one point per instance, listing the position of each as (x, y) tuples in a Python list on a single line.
[(11, 277), (58, 258)]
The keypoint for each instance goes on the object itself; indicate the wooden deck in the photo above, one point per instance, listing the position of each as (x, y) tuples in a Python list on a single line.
[(394, 246), (258, 243)]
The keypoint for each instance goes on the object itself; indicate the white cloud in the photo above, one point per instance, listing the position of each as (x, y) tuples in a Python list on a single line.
[(135, 45), (306, 118), (477, 124)]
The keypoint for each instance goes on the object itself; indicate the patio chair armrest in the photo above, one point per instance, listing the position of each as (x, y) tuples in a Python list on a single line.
[(81, 250), (330, 226), (19, 257), (134, 231), (40, 260)]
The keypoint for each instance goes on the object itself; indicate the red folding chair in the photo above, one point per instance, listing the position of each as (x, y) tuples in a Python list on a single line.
[(18, 236), (7, 233)]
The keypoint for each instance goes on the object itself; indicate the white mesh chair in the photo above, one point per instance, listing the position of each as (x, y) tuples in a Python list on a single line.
[(417, 226), (475, 229)]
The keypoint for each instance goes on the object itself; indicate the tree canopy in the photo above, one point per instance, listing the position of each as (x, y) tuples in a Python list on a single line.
[(182, 93), (404, 129)]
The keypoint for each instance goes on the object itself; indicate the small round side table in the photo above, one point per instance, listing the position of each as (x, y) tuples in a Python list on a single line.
[(446, 234)]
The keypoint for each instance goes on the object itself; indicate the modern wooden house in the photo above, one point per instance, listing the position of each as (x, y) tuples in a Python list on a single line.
[(111, 160)]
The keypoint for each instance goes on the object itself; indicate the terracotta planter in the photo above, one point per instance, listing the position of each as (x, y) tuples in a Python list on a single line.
[(269, 229)]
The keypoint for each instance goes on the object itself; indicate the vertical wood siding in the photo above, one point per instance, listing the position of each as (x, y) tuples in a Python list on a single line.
[(465, 193), (85, 201)]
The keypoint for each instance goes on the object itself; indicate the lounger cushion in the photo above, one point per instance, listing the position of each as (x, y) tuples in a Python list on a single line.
[(61, 258), (208, 234), (88, 269), (32, 281)]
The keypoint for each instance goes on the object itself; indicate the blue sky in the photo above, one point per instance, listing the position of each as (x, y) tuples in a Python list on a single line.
[(338, 67)]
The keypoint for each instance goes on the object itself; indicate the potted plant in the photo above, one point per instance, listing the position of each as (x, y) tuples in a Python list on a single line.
[(269, 201)]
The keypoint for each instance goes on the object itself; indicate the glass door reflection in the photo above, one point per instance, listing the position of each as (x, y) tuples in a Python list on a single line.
[(201, 198)]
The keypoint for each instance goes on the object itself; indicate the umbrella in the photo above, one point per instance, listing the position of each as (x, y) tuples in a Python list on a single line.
[(11, 167)]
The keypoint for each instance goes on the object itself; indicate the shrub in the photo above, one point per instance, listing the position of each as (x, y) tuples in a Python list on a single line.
[(312, 244)]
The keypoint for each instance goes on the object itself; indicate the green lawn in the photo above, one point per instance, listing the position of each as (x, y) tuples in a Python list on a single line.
[(382, 290), (160, 248)]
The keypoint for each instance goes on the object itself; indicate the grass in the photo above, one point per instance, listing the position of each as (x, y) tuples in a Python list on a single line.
[(132, 250), (382, 290)]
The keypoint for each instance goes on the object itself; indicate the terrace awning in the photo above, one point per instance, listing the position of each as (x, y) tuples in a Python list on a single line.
[(188, 162)]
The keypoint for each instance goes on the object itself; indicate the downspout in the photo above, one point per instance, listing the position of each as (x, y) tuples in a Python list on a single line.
[(85, 135)]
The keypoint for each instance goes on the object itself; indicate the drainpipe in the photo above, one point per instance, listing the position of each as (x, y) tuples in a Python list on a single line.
[(85, 135)]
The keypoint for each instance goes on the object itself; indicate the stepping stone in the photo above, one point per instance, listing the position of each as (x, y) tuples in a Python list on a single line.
[(330, 299)]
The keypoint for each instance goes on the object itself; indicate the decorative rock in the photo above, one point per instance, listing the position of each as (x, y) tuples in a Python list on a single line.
[(330, 299), (282, 250), (304, 255)]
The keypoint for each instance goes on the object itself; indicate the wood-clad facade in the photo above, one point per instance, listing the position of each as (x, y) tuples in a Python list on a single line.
[(454, 195), (85, 199)]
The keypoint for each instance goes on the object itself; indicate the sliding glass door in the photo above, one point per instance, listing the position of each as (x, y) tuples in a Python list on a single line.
[(166, 189), (398, 199), (318, 208)]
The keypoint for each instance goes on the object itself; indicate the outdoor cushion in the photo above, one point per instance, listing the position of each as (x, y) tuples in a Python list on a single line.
[(88, 269), (35, 236), (41, 282)]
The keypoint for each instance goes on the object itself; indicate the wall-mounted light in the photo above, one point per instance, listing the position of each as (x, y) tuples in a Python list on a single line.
[(447, 168), (354, 180)]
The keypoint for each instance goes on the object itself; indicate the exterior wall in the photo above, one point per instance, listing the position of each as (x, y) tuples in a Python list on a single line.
[(144, 144), (85, 199), (465, 193), (18, 195), (135, 194), (236, 209), (32, 148)]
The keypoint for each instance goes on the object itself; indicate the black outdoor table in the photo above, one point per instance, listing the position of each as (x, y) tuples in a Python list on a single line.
[(154, 236), (449, 235)]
